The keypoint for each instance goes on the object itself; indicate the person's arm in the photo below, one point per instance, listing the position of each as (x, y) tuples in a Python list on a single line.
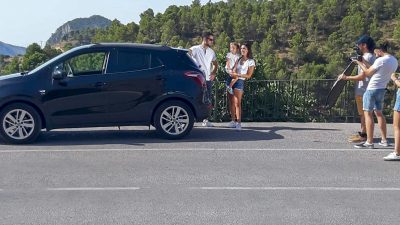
[(214, 71), (366, 63), (360, 76), (228, 64), (367, 71), (395, 80), (234, 74), (249, 73), (215, 64)]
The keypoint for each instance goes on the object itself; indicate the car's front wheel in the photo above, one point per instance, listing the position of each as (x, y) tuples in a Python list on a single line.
[(20, 124), (173, 119)]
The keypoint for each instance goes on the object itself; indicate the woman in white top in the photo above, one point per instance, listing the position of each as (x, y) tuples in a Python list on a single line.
[(244, 70)]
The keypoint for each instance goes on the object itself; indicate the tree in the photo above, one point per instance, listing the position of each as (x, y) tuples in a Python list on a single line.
[(32, 49), (30, 62), (147, 27), (298, 46), (396, 33), (294, 35), (12, 67), (222, 42)]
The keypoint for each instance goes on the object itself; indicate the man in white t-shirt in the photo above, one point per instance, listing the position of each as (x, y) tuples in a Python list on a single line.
[(207, 61), (380, 73)]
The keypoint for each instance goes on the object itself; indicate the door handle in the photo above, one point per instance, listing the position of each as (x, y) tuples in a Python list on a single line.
[(99, 84)]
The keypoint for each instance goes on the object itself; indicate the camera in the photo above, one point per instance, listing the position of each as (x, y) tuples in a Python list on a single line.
[(358, 55)]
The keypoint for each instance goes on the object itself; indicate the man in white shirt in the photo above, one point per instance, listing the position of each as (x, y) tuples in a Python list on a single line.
[(207, 61), (380, 73)]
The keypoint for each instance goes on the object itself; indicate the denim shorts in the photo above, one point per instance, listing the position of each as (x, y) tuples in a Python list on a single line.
[(239, 84), (373, 100), (397, 104)]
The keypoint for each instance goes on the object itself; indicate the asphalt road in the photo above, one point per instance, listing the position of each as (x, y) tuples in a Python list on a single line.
[(269, 173)]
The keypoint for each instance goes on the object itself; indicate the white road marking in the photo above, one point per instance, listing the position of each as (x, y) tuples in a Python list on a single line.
[(298, 188), (231, 189), (94, 189), (192, 149)]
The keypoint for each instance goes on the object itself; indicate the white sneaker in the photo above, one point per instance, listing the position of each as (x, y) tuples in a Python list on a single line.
[(238, 127), (364, 145), (392, 157), (384, 144), (207, 123), (232, 124)]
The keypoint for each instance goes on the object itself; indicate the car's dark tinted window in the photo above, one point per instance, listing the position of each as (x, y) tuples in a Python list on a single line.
[(131, 61), (155, 61), (184, 59), (85, 64)]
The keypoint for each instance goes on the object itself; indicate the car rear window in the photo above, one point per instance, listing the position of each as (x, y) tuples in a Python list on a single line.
[(185, 59)]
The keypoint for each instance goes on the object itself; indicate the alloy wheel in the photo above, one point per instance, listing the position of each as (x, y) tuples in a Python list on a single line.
[(174, 120), (18, 124)]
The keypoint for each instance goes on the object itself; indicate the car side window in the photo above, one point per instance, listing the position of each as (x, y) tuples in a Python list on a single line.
[(132, 61), (155, 61), (63, 68), (85, 64)]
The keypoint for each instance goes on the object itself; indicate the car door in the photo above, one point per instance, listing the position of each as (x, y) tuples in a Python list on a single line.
[(134, 82), (79, 98)]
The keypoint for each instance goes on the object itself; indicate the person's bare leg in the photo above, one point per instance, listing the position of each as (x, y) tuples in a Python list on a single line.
[(396, 128), (232, 106), (359, 103), (363, 127), (238, 104), (382, 125), (369, 124)]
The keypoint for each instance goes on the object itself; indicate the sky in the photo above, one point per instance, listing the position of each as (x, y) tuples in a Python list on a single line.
[(23, 22)]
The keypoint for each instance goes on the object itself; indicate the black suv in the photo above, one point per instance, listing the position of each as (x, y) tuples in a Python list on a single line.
[(105, 85)]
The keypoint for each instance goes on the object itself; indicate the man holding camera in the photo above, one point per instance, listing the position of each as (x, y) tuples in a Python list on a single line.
[(365, 48), (380, 73)]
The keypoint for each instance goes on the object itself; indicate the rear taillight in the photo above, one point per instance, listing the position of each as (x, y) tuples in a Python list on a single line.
[(197, 76)]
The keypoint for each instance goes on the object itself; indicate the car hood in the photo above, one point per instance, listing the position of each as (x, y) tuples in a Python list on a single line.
[(10, 76)]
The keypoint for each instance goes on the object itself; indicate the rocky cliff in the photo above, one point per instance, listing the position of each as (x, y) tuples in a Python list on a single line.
[(78, 24)]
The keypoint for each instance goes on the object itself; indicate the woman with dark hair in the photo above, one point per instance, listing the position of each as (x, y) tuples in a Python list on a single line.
[(244, 70)]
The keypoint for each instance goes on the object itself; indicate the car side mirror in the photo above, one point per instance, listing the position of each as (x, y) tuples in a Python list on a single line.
[(58, 74)]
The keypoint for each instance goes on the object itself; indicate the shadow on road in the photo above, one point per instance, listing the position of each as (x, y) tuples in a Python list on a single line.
[(143, 137)]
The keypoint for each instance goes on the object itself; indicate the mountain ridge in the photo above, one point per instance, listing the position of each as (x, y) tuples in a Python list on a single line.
[(78, 24), (11, 50)]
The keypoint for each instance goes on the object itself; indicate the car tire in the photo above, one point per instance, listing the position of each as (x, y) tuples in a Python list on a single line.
[(19, 124), (173, 120)]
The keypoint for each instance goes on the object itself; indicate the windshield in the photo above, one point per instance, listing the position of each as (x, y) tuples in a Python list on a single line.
[(55, 59)]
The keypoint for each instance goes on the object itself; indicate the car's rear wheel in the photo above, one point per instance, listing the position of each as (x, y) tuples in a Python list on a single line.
[(173, 119), (20, 124)]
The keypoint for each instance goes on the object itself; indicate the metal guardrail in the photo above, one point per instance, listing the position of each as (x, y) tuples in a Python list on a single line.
[(292, 100)]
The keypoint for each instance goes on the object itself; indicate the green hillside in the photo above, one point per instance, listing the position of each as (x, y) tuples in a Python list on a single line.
[(292, 39)]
